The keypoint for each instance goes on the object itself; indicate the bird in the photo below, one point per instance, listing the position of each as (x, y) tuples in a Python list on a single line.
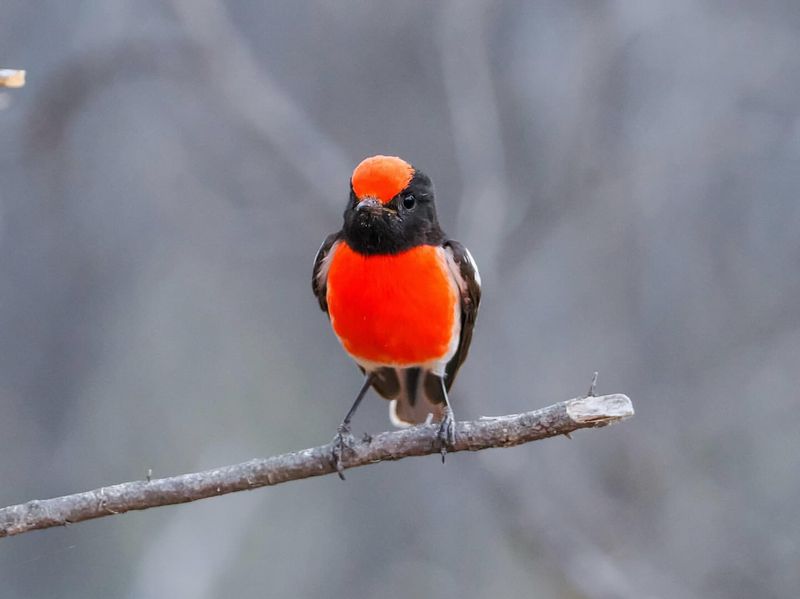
[(401, 296)]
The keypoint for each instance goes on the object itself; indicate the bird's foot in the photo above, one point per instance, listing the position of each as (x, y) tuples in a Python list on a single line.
[(447, 433), (343, 440)]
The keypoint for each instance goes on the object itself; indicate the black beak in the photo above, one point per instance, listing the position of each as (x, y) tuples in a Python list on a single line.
[(370, 205)]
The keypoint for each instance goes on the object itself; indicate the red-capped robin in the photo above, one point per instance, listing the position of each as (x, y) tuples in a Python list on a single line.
[(402, 298)]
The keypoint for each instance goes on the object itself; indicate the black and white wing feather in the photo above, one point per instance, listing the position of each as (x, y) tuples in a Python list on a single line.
[(465, 271), (319, 278)]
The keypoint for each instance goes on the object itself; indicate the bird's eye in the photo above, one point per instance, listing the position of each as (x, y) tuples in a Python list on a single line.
[(409, 202)]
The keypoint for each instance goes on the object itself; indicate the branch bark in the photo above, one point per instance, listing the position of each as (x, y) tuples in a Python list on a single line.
[(503, 431)]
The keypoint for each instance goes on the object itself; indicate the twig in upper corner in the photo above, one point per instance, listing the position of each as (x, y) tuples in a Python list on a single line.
[(12, 78)]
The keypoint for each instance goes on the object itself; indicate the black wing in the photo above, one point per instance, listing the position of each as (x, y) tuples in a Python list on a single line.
[(319, 278), (469, 285)]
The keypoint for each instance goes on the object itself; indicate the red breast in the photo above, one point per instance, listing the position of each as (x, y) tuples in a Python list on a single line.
[(392, 309)]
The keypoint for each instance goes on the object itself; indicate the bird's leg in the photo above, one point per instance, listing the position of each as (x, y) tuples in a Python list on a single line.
[(343, 437), (447, 429)]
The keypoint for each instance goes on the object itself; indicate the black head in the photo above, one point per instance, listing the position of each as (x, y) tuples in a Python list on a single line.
[(391, 208)]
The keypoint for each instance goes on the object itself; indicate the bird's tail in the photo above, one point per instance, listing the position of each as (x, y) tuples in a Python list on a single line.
[(419, 398)]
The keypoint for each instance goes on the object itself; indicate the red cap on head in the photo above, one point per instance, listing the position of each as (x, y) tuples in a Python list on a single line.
[(381, 177)]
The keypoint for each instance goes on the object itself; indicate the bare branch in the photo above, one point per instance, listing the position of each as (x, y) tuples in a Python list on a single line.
[(475, 122), (12, 78), (260, 101), (485, 433)]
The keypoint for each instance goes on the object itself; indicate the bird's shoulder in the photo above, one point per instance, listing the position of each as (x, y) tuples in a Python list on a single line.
[(319, 276), (465, 271)]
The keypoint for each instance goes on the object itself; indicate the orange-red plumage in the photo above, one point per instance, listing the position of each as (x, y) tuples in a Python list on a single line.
[(392, 309), (381, 177), (402, 297)]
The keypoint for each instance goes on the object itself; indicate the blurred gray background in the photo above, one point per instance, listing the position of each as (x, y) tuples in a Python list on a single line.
[(625, 173)]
